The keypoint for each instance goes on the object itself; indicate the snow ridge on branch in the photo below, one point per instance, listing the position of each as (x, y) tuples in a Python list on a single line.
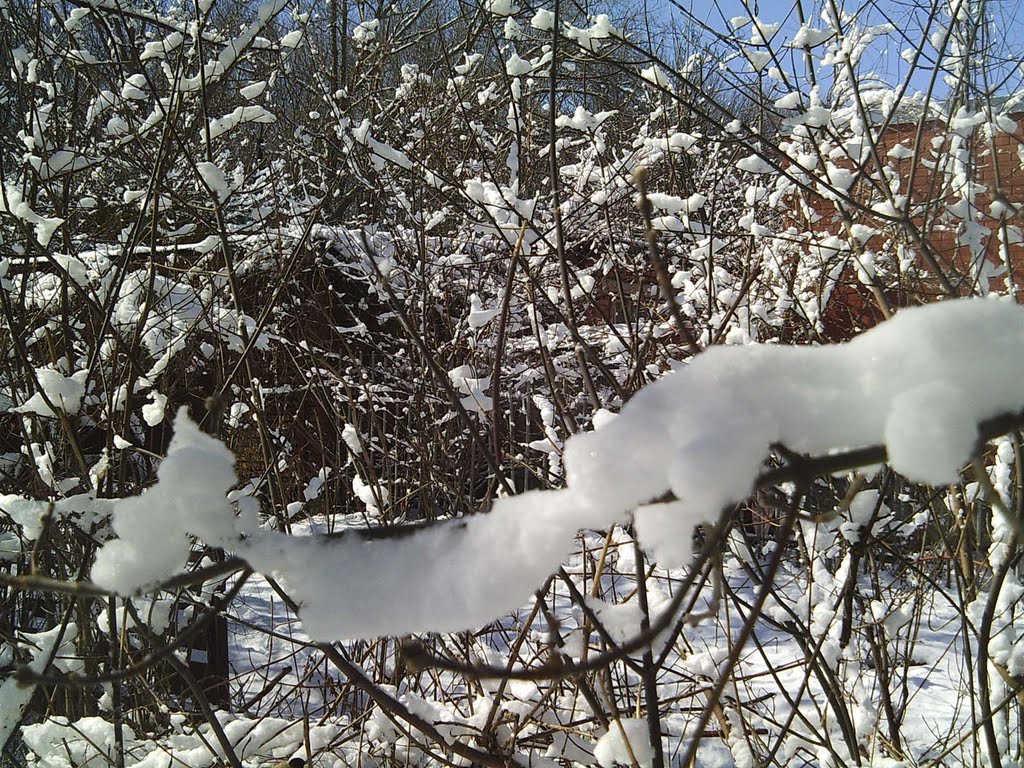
[(919, 384)]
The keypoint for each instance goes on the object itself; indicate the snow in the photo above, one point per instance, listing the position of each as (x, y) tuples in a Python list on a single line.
[(900, 152), (543, 19), (132, 88), (701, 432), (84, 509), (368, 495), (215, 179), (790, 101), (13, 203), (87, 743), (754, 164), (350, 435), (365, 32), (76, 270), (10, 547), (603, 27), (291, 40), (840, 178), (682, 142), (158, 49), (749, 268), (592, 37), (153, 411), (762, 32), (74, 19), (601, 417), (457, 574), (1005, 124), (15, 697), (516, 66), (889, 208), (623, 621), (478, 316), (385, 153), (654, 74), (60, 162), (466, 381), (502, 7), (63, 392), (316, 484), (253, 90), (513, 30), (672, 204), (809, 37), (758, 60), (252, 113), (582, 119), (189, 497), (626, 743), (860, 514), (929, 433)]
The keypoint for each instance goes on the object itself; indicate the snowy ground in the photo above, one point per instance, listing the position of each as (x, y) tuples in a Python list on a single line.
[(770, 692)]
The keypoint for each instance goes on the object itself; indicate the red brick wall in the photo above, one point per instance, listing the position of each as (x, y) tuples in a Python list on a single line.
[(995, 164)]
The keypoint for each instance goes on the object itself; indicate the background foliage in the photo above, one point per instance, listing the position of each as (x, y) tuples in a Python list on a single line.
[(391, 255)]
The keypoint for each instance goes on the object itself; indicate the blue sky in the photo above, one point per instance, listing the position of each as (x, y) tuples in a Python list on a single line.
[(1004, 44)]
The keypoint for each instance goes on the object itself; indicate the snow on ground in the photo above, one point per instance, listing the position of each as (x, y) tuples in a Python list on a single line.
[(774, 689)]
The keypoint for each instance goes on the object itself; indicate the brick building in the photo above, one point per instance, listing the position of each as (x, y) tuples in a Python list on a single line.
[(959, 184)]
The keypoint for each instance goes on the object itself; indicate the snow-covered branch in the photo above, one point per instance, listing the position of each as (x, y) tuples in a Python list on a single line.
[(702, 433)]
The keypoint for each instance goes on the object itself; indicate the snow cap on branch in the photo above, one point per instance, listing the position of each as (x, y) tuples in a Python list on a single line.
[(919, 383)]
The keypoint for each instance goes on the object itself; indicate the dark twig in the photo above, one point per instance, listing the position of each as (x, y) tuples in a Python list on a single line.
[(658, 263)]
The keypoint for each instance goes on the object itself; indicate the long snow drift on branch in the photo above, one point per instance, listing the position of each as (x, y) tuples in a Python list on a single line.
[(919, 384)]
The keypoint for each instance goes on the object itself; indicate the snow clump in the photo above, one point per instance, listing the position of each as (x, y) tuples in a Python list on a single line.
[(919, 384)]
